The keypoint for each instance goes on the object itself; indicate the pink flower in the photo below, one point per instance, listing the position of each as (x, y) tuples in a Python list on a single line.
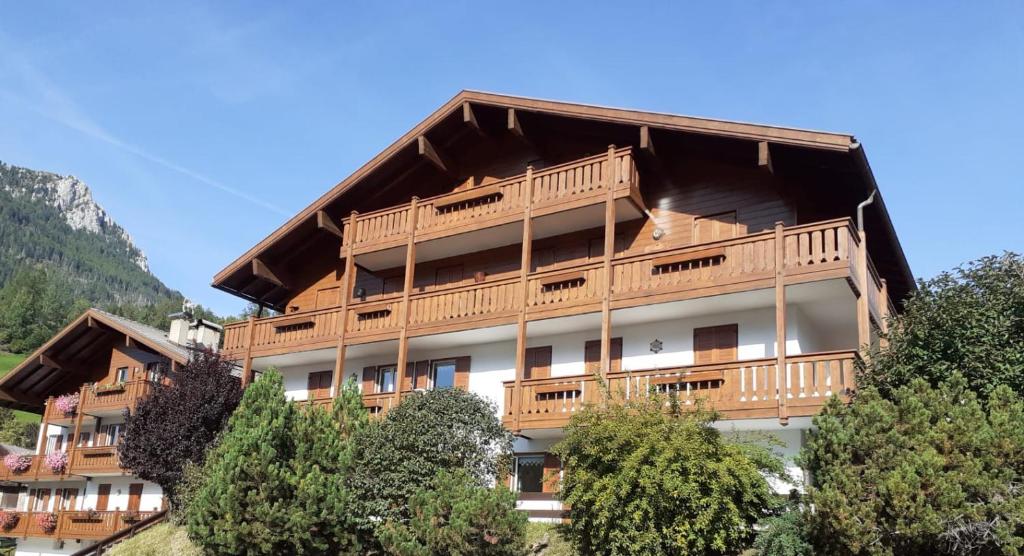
[(57, 461), (8, 520), (47, 522), (17, 463), (67, 404)]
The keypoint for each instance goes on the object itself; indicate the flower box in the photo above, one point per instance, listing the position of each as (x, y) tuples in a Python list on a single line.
[(16, 463), (67, 404), (47, 522), (108, 388), (57, 461), (130, 517), (8, 520)]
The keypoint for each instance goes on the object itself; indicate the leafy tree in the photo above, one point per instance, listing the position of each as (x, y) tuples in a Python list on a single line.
[(175, 425), (646, 477), (932, 471), (274, 484), (455, 515), (18, 433), (35, 305), (968, 321), (428, 432)]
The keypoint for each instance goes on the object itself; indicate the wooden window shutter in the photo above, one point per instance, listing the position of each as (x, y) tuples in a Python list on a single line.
[(538, 362), (552, 469), (592, 356), (422, 372), (44, 499), (103, 497), (715, 344), (319, 385), (134, 496), (70, 497), (410, 369), (328, 297), (448, 275), (369, 380), (462, 366)]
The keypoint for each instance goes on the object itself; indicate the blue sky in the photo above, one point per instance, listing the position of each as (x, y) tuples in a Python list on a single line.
[(202, 127)]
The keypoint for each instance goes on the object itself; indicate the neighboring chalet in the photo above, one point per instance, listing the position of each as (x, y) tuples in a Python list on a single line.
[(520, 248), (73, 491)]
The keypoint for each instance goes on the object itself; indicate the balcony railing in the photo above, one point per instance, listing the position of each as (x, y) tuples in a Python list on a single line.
[(92, 460), (74, 525), (810, 252), (558, 188), (741, 389), (38, 470)]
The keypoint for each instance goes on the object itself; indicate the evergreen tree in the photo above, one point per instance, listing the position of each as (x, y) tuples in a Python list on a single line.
[(932, 471), (18, 433), (242, 506), (454, 516), (275, 483)]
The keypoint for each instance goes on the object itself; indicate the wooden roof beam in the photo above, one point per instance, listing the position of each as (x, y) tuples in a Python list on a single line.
[(469, 118), (437, 158), (515, 127), (764, 157), (324, 222), (646, 142), (263, 271)]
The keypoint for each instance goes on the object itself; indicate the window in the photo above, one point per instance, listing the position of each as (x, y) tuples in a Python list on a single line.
[(538, 362), (442, 374), (318, 385), (121, 375), (83, 439), (111, 434), (385, 381), (154, 372), (529, 474)]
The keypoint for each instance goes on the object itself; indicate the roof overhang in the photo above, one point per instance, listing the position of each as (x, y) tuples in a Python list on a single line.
[(55, 366), (460, 108)]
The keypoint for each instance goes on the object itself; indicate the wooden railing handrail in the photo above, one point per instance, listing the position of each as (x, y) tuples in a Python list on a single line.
[(465, 287)]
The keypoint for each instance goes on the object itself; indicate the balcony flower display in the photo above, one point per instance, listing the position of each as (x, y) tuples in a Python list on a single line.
[(57, 461), (130, 516), (67, 404), (47, 521), (108, 388), (16, 463), (8, 520)]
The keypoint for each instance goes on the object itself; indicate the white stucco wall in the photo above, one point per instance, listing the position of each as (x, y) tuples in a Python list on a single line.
[(48, 547)]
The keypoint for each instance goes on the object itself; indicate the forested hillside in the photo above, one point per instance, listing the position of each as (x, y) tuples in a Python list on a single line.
[(60, 253)]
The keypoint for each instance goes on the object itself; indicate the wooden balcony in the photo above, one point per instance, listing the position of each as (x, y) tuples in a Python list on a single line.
[(37, 471), (95, 461), (98, 400), (75, 525), (559, 188), (819, 251), (737, 390)]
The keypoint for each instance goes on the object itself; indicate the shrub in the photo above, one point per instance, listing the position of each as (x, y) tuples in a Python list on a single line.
[(455, 515), (969, 321), (644, 477), (784, 535), (428, 432), (176, 424), (932, 471)]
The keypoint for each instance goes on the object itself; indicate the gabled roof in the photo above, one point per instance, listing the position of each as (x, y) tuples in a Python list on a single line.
[(41, 373), (464, 102)]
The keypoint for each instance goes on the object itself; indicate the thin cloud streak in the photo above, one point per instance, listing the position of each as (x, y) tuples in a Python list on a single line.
[(62, 110)]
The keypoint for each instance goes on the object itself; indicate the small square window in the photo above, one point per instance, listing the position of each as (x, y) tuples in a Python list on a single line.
[(442, 374), (385, 381), (122, 374)]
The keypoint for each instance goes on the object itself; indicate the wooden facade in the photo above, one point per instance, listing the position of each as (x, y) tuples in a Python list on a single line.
[(503, 211)]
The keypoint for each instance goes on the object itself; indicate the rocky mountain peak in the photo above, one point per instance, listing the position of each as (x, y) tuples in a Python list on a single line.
[(73, 199)]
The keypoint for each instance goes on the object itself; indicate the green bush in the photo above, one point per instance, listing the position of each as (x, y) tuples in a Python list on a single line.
[(644, 477), (784, 535), (932, 471), (455, 515)]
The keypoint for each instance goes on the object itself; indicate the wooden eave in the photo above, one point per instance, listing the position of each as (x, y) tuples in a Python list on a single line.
[(26, 386), (407, 145)]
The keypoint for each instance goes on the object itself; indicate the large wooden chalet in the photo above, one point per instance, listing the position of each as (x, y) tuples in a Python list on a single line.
[(519, 248)]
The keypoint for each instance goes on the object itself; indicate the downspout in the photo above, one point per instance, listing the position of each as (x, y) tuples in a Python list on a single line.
[(860, 210)]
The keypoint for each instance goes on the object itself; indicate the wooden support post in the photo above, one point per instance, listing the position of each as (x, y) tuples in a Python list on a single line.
[(410, 273), (609, 251), (782, 372), (73, 441), (247, 366), (347, 283), (41, 448), (863, 311), (526, 262)]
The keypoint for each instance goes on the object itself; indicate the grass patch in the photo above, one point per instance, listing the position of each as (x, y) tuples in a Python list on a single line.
[(164, 539), (7, 362), (557, 546)]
